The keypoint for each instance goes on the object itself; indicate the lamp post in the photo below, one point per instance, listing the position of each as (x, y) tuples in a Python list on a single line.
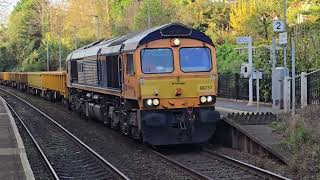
[(97, 26), (285, 29)]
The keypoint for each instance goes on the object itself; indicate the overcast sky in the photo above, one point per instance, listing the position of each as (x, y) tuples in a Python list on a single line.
[(6, 6)]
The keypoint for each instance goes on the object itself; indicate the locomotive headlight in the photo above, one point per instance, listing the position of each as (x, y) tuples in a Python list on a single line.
[(209, 99), (155, 102), (203, 99), (176, 42), (149, 102)]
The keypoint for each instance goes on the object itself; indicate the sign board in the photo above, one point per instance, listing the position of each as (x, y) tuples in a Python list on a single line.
[(257, 74), (278, 26), (283, 38), (246, 70), (243, 40)]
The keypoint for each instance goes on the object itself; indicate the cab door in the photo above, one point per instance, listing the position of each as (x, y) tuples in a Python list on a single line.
[(129, 77)]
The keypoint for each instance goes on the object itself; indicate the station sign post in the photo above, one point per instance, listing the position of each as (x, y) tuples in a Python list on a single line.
[(257, 75), (279, 27), (248, 40)]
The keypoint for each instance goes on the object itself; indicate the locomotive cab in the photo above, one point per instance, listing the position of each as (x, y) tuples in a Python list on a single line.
[(159, 85), (178, 87)]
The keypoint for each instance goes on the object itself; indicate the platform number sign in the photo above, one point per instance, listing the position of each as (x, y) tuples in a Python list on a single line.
[(278, 26)]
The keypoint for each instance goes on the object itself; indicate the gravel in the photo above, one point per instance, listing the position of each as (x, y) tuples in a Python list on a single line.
[(38, 165), (134, 159), (259, 161)]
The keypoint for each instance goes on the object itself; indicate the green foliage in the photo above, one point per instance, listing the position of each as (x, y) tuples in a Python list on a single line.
[(158, 13), (302, 138), (261, 59), (24, 31), (297, 136), (228, 59), (278, 127)]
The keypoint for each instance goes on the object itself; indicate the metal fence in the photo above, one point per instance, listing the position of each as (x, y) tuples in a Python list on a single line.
[(298, 92), (313, 84), (235, 87)]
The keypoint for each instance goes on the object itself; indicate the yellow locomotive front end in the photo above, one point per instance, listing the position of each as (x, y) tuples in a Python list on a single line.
[(178, 88), (158, 85)]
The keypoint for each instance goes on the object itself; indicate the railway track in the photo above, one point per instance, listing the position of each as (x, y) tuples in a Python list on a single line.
[(206, 164), (66, 156)]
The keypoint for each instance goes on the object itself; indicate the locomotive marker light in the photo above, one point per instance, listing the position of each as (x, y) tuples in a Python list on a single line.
[(155, 102), (206, 99), (149, 102), (203, 99), (176, 42)]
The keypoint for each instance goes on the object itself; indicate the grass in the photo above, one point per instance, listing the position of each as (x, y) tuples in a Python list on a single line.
[(301, 136)]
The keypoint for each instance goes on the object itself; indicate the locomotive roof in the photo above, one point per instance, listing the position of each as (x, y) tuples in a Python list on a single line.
[(132, 41)]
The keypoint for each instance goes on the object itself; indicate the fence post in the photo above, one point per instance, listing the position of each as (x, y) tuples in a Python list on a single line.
[(237, 85), (286, 94), (304, 89)]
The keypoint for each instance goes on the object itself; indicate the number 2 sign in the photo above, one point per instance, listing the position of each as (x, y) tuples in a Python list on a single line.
[(278, 26)]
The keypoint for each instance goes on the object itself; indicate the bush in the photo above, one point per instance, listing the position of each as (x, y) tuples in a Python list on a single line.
[(297, 136), (229, 60), (302, 138)]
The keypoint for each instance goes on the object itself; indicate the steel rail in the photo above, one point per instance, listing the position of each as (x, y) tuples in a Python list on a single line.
[(246, 165), (176, 163), (35, 142), (116, 170)]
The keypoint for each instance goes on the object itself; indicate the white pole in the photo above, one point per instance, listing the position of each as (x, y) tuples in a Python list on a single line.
[(48, 56), (149, 16), (98, 27), (274, 62), (258, 90), (250, 79), (293, 61), (285, 29), (304, 89), (60, 51), (273, 53)]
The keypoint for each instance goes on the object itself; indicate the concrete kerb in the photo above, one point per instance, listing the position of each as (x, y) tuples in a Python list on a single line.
[(245, 101), (230, 110), (21, 150)]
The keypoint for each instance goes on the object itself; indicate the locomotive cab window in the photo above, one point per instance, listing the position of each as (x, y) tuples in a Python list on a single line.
[(130, 65), (195, 59), (155, 61)]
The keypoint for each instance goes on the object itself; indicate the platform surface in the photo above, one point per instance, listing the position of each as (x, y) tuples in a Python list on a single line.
[(14, 164), (225, 106), (271, 141)]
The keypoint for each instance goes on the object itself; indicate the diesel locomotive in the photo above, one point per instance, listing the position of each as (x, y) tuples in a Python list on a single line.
[(158, 86)]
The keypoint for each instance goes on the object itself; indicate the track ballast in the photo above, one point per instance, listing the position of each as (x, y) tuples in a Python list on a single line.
[(66, 156)]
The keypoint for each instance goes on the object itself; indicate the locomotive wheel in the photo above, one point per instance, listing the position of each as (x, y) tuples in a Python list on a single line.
[(115, 121), (134, 133)]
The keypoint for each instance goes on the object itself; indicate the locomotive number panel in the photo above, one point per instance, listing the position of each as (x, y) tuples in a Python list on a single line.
[(205, 88)]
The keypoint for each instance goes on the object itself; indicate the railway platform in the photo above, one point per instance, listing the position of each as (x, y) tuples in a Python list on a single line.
[(250, 132), (14, 163), (226, 106)]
